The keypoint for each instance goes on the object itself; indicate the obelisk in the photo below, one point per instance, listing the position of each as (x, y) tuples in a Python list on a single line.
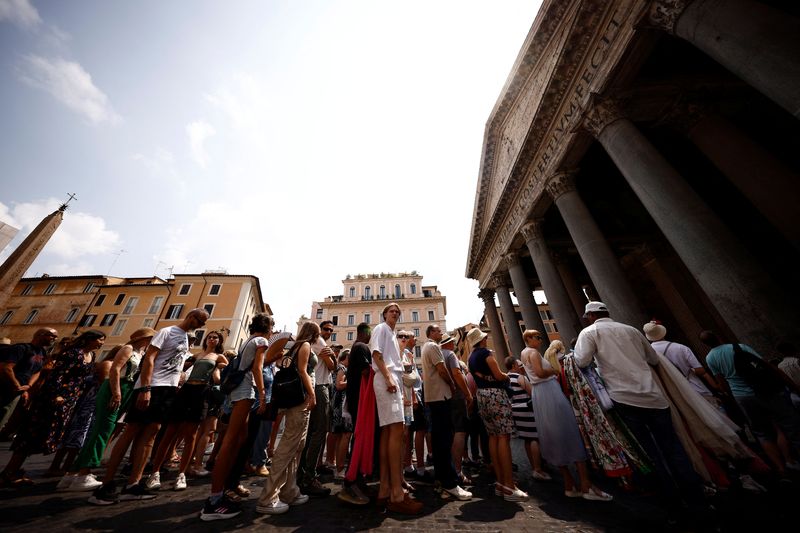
[(26, 253)]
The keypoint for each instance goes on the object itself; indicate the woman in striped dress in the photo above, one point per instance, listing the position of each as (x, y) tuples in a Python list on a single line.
[(524, 419)]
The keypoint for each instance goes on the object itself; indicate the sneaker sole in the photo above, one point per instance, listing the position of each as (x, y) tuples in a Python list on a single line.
[(271, 510), (97, 501), (130, 497), (217, 516)]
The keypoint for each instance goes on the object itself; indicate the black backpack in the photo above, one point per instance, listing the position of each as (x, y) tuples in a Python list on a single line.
[(756, 372)]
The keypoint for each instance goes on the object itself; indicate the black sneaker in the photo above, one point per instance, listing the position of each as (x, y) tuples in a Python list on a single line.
[(224, 509), (136, 492), (104, 495), (316, 490)]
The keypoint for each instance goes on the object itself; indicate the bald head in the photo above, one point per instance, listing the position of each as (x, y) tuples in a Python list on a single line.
[(44, 337)]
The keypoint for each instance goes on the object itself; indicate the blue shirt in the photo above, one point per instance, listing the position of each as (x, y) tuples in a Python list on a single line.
[(720, 361)]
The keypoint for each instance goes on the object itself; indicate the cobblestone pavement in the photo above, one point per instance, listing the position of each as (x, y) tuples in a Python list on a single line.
[(40, 508)]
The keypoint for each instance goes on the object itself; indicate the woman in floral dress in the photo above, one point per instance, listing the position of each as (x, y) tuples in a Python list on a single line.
[(54, 405)]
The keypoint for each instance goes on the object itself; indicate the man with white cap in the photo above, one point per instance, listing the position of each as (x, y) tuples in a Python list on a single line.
[(624, 357), (684, 360)]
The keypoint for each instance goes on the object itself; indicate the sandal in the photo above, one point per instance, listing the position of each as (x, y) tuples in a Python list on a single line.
[(242, 491), (232, 496), (597, 495)]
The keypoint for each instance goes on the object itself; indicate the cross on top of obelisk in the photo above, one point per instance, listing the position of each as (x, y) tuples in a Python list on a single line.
[(64, 205)]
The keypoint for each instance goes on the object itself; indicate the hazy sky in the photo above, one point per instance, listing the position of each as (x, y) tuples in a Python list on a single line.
[(299, 141)]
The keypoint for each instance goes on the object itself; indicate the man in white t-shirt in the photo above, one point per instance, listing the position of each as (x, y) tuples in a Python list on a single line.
[(388, 367), (154, 393), (320, 417)]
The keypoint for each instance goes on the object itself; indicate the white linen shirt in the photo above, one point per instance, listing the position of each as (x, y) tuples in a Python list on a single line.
[(623, 358), (384, 341)]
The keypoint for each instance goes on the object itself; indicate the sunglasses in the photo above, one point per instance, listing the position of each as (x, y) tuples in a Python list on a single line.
[(329, 330), (403, 336)]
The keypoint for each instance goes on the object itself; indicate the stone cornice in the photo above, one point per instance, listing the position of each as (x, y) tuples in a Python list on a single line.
[(600, 114), (592, 27), (664, 14)]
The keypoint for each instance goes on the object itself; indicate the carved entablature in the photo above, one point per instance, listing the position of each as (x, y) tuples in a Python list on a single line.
[(487, 295), (600, 114), (663, 14), (561, 183), (532, 231)]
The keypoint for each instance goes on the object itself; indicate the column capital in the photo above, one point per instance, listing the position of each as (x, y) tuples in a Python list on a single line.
[(600, 113), (511, 259), (561, 183), (532, 230), (500, 280), (487, 295), (663, 14)]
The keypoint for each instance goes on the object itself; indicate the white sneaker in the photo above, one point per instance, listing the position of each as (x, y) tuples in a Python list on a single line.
[(200, 472), (748, 483), (276, 507), (154, 481), (516, 496), (458, 493), (65, 482), (339, 475), (300, 500), (180, 482), (84, 483)]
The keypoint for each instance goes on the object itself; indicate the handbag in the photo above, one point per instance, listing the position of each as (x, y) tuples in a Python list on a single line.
[(234, 378), (287, 387), (598, 388)]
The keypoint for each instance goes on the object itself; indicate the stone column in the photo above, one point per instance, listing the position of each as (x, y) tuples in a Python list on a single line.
[(498, 338), (554, 290), (527, 304), (601, 263), (742, 293), (574, 291), (756, 42), (770, 185), (513, 333)]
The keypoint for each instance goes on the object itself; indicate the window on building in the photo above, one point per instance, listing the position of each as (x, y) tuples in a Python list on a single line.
[(335, 320), (351, 320), (414, 316), (72, 315), (548, 328), (185, 288), (155, 307), (352, 292), (198, 337), (120, 298), (87, 321), (367, 292), (174, 311), (50, 288), (148, 322), (397, 290), (214, 290), (319, 314), (350, 335), (100, 300), (31, 316), (119, 328), (554, 326), (367, 318), (426, 293), (131, 305), (382, 291), (209, 309), (417, 351), (88, 288), (6, 317), (333, 337), (416, 332), (546, 315), (431, 315), (413, 288), (108, 319), (27, 290)]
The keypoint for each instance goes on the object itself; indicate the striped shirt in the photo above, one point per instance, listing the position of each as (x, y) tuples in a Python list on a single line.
[(524, 420)]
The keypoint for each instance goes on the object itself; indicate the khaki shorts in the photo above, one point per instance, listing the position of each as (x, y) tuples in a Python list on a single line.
[(390, 405)]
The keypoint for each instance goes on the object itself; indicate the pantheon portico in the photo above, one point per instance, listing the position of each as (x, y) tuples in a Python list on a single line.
[(647, 153)]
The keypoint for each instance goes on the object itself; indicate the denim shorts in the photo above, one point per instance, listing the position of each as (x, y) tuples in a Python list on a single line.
[(245, 391)]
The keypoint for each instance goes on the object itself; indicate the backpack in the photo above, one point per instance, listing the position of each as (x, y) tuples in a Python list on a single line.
[(756, 372)]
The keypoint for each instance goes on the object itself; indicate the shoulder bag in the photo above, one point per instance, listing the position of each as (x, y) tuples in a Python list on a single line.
[(287, 386), (234, 378)]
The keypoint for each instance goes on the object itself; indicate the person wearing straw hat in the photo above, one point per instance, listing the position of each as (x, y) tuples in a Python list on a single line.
[(111, 399)]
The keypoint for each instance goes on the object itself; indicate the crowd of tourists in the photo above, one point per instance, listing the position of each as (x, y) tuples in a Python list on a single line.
[(617, 403)]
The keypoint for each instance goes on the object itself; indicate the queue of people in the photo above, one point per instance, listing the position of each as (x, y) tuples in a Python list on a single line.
[(630, 403)]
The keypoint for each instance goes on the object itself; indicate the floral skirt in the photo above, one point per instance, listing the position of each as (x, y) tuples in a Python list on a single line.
[(494, 407)]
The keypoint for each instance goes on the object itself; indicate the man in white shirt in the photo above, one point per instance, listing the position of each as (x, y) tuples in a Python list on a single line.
[(320, 418), (624, 357)]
